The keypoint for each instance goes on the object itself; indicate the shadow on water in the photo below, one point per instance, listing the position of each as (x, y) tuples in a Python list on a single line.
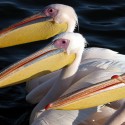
[(101, 22)]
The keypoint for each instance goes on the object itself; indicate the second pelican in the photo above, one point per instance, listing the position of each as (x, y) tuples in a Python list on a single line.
[(93, 69), (66, 41)]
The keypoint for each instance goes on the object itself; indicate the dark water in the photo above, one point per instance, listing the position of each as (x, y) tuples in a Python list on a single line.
[(102, 24)]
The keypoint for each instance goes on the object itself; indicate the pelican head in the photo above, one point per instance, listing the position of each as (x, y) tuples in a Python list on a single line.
[(52, 20), (70, 42), (63, 50), (62, 14)]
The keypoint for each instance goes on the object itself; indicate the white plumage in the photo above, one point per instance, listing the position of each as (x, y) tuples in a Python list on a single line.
[(97, 64)]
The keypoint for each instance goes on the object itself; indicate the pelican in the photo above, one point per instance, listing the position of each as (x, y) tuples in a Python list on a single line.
[(52, 20), (67, 41), (38, 64), (93, 69)]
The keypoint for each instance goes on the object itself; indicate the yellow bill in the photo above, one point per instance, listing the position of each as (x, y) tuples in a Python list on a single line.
[(38, 64), (98, 94), (35, 28)]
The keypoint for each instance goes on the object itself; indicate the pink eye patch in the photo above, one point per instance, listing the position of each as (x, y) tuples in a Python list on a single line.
[(62, 43)]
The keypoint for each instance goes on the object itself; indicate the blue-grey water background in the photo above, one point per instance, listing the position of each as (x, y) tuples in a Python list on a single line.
[(101, 22)]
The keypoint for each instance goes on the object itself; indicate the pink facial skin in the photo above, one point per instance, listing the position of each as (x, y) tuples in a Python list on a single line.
[(52, 12), (62, 43)]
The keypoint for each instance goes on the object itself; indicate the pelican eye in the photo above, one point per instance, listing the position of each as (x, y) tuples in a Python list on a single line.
[(61, 43), (50, 10)]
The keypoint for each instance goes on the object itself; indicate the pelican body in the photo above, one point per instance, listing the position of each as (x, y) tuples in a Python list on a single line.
[(77, 84), (66, 41)]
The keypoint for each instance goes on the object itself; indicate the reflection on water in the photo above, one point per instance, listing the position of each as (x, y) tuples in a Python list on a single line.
[(102, 23)]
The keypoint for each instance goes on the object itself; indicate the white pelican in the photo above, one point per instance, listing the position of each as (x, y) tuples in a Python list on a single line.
[(30, 66), (67, 41), (52, 20), (93, 68)]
